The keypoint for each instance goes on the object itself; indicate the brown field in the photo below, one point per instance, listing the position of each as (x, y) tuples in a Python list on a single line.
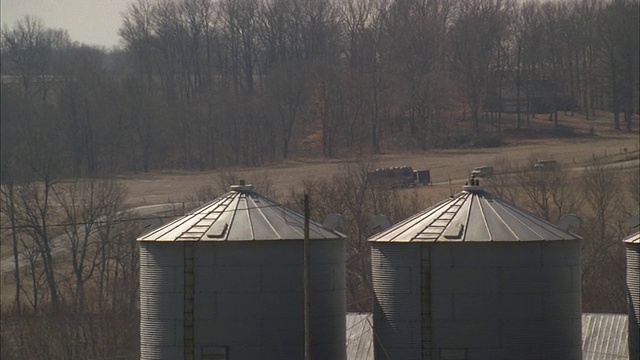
[(606, 146)]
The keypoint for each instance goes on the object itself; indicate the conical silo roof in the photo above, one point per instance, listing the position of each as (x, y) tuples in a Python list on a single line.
[(240, 215), (473, 215)]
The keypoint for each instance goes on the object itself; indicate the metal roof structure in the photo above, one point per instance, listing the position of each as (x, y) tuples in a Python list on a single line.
[(604, 336), (473, 215), (633, 238), (359, 336), (240, 215)]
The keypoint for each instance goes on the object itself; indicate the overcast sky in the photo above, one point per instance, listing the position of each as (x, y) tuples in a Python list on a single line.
[(93, 22)]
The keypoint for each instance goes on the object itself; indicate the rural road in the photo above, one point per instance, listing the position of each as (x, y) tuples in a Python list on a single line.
[(147, 212), (629, 164)]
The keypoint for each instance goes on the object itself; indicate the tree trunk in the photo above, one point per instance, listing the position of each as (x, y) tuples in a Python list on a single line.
[(14, 236)]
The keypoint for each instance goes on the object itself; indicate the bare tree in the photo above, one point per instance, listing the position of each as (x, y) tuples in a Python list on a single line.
[(83, 102), (521, 50), (34, 204), (328, 106), (602, 251), (138, 91), (633, 186), (240, 18), (199, 18), (114, 226), (346, 194), (8, 210), (138, 35), (375, 73), (87, 206), (618, 22), (36, 295), (631, 44), (288, 86), (357, 18), (416, 33), (550, 192), (502, 181), (476, 36), (357, 199), (29, 47)]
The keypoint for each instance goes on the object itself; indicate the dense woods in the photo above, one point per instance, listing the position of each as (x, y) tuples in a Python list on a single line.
[(204, 84), (201, 84)]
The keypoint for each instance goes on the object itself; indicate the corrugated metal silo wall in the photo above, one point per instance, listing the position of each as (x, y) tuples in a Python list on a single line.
[(633, 286), (249, 299), (161, 300), (397, 294), (511, 300)]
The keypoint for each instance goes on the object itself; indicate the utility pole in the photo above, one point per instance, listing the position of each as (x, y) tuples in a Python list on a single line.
[(307, 281)]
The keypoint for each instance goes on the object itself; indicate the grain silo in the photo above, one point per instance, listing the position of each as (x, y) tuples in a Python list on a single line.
[(226, 282), (633, 293), (475, 277)]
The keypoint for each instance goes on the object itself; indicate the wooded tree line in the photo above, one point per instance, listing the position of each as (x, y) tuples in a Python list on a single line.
[(201, 84)]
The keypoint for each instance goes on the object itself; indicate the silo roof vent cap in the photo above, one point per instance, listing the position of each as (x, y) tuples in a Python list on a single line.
[(473, 185), (241, 187)]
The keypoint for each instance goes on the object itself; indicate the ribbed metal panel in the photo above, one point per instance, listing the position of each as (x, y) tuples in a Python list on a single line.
[(359, 336), (249, 298), (229, 277), (498, 283), (507, 300), (604, 336), (397, 294), (473, 215), (487, 300), (633, 286), (161, 301), (239, 216)]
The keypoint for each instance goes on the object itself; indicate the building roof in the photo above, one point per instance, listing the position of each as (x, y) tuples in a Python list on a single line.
[(240, 215), (633, 238), (359, 336), (473, 215), (604, 336)]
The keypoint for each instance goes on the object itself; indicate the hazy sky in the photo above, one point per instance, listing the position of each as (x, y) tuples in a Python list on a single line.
[(93, 22)]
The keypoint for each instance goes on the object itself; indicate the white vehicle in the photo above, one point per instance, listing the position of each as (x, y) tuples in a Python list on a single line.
[(482, 171), (546, 165)]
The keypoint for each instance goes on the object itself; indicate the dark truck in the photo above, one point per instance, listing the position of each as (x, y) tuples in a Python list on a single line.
[(400, 176)]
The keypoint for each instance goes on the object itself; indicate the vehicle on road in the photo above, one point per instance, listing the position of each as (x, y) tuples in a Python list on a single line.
[(546, 165), (400, 176), (482, 171)]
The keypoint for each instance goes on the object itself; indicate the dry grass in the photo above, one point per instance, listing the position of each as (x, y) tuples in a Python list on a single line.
[(606, 146), (156, 188)]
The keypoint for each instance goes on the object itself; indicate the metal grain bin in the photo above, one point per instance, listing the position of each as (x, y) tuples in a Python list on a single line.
[(474, 277), (633, 288), (226, 282)]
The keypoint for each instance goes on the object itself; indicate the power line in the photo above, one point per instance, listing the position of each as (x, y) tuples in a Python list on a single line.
[(106, 222), (123, 220)]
